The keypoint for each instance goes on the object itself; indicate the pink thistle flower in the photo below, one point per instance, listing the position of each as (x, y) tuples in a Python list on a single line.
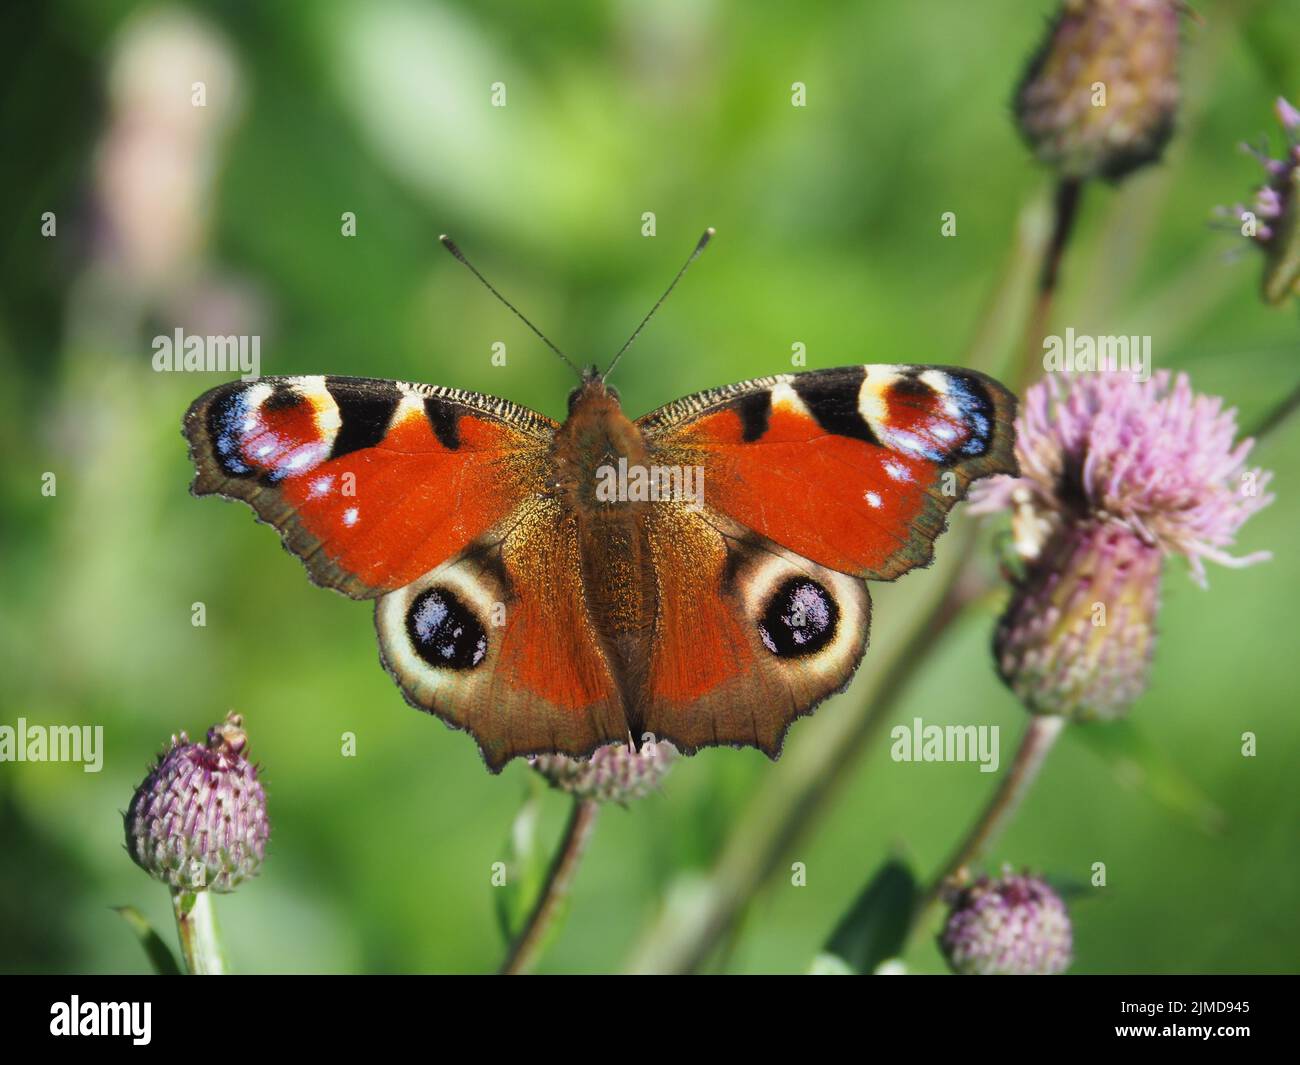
[(1014, 925), (613, 773), (198, 820), (1158, 460), (1116, 475)]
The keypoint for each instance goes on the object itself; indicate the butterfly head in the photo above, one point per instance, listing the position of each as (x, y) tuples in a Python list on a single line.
[(593, 390)]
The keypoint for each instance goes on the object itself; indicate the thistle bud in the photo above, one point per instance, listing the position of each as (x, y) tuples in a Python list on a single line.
[(1099, 97), (614, 773), (1012, 926), (1078, 636), (198, 821)]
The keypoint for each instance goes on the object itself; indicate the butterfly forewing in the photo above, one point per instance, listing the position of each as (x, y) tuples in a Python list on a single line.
[(854, 468), (371, 483)]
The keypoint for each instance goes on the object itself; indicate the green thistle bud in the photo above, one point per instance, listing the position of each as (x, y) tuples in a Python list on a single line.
[(1099, 97), (1011, 926), (198, 820), (614, 773), (1078, 636)]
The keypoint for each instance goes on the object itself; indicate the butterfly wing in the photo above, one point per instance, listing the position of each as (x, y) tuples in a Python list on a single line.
[(431, 501), (811, 483), (371, 483), (498, 641), (747, 637), (853, 468)]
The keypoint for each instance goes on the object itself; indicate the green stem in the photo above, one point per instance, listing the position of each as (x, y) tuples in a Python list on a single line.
[(1069, 194), (1037, 742), (196, 924), (1278, 415), (527, 946)]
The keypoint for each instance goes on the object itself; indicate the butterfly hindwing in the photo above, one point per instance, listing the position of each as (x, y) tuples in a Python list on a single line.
[(498, 641), (371, 483), (748, 636), (853, 468)]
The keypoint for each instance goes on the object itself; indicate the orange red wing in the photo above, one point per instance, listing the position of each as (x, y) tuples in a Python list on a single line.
[(748, 636), (853, 468), (371, 483), (498, 641), (811, 482)]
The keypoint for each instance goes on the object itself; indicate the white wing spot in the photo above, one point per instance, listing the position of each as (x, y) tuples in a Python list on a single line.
[(350, 516), (873, 498)]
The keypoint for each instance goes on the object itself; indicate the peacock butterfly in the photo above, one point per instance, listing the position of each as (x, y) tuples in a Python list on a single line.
[(530, 595)]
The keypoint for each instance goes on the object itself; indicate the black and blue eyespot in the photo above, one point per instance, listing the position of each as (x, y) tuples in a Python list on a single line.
[(444, 631), (800, 619), (976, 411), (229, 430), (226, 417)]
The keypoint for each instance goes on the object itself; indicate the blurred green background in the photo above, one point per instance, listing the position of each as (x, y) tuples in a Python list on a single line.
[(226, 219)]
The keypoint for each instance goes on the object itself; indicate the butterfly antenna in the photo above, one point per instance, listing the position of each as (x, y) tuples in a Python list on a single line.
[(699, 247), (452, 247)]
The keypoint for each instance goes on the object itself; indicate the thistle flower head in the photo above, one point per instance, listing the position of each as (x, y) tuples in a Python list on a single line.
[(1014, 925), (198, 820), (1099, 97), (1273, 220), (1152, 456), (614, 773), (1115, 475)]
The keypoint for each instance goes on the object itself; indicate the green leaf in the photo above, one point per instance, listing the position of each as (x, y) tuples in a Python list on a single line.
[(1137, 763), (525, 869), (160, 955), (875, 927)]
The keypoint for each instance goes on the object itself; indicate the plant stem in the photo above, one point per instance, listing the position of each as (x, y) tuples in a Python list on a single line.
[(1277, 416), (527, 945), (196, 924), (1069, 194), (1039, 738)]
